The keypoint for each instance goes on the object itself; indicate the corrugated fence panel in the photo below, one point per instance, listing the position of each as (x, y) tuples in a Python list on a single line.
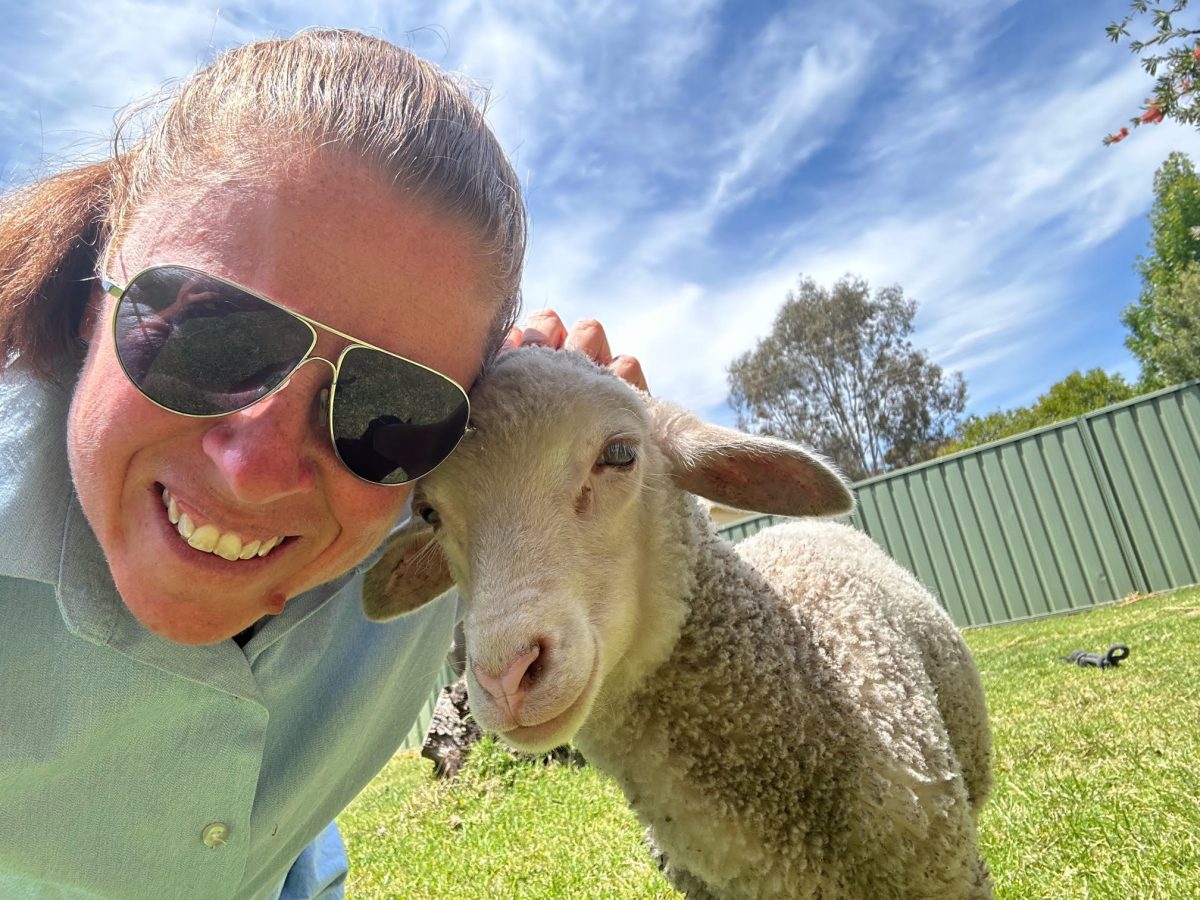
[(957, 581), (1151, 453), (739, 531), (936, 565), (1083, 512), (961, 518), (984, 530), (1083, 563)]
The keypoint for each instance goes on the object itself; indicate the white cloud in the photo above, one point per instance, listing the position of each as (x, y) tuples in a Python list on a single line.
[(791, 97), (81, 68), (684, 162)]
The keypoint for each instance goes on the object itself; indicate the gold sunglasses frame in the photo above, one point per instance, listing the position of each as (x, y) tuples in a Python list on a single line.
[(117, 292)]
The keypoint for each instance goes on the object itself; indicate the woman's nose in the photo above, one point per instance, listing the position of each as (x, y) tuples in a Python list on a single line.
[(271, 450)]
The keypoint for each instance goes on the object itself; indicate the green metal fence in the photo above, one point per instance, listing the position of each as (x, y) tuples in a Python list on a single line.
[(1083, 512)]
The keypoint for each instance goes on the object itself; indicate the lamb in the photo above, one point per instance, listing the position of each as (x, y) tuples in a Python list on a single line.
[(795, 717)]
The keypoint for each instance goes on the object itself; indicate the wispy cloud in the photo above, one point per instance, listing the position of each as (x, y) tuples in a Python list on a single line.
[(684, 162), (70, 69), (791, 93)]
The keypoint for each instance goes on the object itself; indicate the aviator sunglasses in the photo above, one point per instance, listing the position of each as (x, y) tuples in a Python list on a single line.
[(201, 346)]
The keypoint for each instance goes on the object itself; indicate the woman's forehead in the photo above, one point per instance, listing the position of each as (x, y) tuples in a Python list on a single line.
[(337, 246)]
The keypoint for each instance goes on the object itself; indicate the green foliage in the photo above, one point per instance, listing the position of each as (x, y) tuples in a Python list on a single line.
[(1175, 352), (978, 430), (1081, 393), (838, 373), (1168, 53), (1078, 393), (1169, 283)]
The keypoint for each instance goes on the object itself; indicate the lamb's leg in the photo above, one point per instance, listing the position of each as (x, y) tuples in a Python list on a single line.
[(981, 889), (963, 707), (682, 880)]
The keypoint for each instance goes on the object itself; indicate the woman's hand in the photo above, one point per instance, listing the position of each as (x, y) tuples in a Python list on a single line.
[(544, 328)]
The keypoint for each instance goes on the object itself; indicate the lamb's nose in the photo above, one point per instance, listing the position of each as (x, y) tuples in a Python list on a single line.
[(510, 686)]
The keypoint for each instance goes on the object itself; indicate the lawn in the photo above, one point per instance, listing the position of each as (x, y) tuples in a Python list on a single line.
[(1097, 793)]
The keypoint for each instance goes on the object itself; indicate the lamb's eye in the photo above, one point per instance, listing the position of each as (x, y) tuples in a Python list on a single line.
[(429, 514), (619, 454)]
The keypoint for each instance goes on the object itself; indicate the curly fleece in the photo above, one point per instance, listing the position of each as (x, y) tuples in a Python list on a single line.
[(819, 730)]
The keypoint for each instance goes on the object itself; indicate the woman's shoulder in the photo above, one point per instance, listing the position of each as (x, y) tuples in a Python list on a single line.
[(35, 478)]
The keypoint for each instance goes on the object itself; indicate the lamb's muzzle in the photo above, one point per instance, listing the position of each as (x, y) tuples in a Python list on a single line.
[(509, 688)]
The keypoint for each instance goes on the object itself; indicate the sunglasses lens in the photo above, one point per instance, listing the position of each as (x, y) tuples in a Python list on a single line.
[(394, 420), (199, 346)]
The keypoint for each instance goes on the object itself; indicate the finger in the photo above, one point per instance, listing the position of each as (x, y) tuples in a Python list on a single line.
[(629, 369), (512, 340), (587, 335), (544, 328)]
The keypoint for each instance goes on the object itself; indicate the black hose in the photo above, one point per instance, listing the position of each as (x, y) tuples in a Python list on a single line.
[(1109, 660)]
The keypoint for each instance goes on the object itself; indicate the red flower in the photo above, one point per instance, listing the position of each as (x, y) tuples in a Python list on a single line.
[(1196, 53), (1119, 136), (1152, 115)]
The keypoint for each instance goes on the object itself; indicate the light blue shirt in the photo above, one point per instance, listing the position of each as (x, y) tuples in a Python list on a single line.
[(133, 767)]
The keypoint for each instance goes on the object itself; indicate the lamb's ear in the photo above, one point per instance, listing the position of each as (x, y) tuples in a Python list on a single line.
[(761, 474), (411, 572)]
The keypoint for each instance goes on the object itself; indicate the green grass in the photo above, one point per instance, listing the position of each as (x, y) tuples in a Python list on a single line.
[(503, 829), (1097, 793)]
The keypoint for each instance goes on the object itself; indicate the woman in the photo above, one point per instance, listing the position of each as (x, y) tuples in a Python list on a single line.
[(228, 352)]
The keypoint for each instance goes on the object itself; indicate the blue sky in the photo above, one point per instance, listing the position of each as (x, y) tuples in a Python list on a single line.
[(686, 161)]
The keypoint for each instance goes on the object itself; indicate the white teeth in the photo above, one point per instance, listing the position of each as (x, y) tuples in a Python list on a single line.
[(204, 538), (228, 547), (207, 538)]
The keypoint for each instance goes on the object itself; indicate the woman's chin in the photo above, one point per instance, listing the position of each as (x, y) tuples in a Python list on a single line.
[(186, 629), (184, 620)]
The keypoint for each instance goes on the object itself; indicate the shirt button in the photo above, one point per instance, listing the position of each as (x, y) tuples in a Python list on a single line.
[(215, 835)]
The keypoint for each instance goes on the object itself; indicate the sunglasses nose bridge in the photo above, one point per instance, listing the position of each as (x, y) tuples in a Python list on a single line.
[(323, 394), (312, 357)]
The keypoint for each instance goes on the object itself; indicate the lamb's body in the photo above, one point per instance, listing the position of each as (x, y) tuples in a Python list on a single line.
[(818, 730), (794, 718)]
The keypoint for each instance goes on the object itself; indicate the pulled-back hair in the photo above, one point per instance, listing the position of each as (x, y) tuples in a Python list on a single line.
[(333, 91)]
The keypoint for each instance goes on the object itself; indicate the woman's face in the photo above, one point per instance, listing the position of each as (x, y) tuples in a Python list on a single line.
[(326, 240)]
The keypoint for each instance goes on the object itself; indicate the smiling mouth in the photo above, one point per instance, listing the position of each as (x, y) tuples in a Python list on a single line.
[(207, 538)]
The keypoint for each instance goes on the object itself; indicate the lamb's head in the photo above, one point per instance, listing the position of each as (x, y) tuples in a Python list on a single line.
[(554, 517)]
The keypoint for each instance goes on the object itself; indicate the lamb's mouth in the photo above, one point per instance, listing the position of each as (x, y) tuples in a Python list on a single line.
[(561, 728), (207, 538)]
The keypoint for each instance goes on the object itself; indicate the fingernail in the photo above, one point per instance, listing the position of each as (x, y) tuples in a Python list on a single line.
[(533, 338)]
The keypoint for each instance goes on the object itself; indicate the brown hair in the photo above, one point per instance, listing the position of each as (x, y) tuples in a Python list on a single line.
[(329, 90)]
